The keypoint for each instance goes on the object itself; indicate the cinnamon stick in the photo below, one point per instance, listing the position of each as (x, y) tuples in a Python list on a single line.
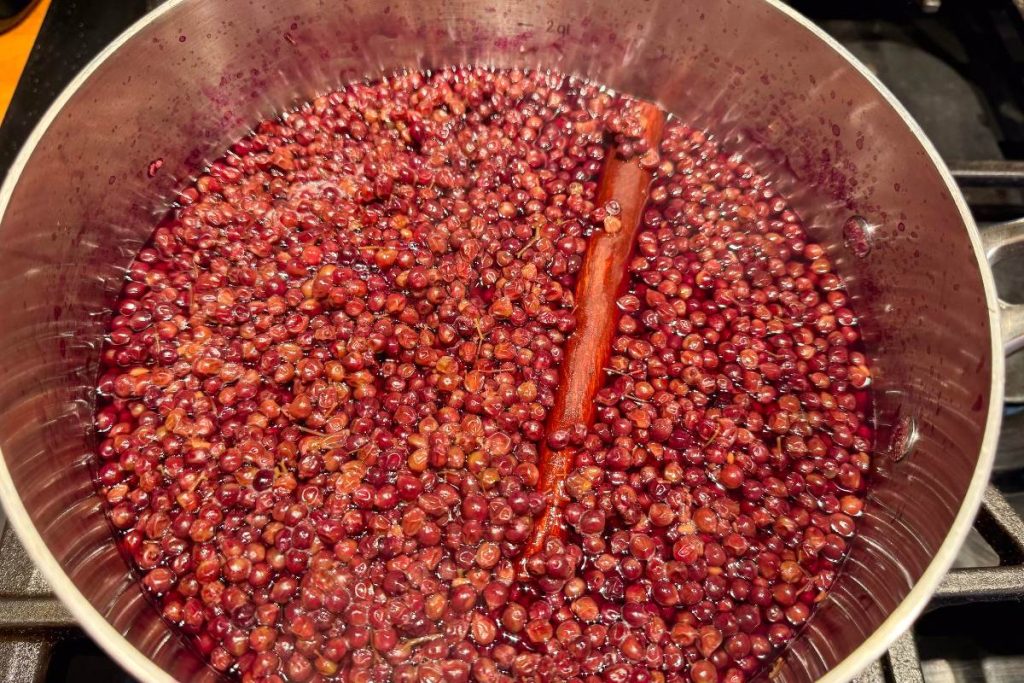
[(601, 281)]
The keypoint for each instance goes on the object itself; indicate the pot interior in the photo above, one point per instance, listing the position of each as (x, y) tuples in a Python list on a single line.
[(194, 77)]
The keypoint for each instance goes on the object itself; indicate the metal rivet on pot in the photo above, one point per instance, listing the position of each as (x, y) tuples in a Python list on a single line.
[(904, 438), (857, 234)]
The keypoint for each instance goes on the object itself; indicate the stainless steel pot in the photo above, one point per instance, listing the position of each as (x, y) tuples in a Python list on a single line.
[(188, 79)]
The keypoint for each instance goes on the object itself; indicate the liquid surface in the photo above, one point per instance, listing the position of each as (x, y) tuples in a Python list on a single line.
[(324, 408)]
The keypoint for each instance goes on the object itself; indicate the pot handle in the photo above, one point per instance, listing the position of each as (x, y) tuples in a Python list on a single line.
[(1000, 241)]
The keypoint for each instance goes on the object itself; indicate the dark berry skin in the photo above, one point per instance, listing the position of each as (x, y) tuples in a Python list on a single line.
[(327, 380)]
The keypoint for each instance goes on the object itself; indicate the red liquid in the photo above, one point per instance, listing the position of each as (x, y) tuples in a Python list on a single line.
[(327, 381)]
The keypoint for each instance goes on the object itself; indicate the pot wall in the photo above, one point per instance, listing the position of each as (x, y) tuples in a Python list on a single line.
[(191, 79)]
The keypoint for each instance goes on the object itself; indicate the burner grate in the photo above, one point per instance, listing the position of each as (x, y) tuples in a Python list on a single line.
[(1003, 529), (989, 173), (1001, 526)]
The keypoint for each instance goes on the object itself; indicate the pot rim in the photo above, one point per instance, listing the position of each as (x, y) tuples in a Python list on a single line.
[(121, 650), (906, 613)]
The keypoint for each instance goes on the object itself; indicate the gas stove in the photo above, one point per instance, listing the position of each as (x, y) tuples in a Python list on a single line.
[(957, 65)]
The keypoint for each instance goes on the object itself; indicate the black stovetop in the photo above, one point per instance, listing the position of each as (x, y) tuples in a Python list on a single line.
[(957, 65)]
